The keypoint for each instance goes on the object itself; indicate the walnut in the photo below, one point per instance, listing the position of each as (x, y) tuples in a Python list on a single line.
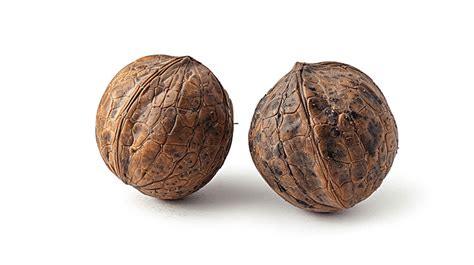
[(164, 125), (323, 137)]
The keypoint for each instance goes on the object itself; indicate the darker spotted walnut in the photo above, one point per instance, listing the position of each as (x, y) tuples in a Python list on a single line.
[(164, 125), (323, 137)]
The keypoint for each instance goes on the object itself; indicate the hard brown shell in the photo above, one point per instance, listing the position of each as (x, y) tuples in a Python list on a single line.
[(164, 125), (323, 137)]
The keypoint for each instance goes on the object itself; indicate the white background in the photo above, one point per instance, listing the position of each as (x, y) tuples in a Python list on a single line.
[(59, 204)]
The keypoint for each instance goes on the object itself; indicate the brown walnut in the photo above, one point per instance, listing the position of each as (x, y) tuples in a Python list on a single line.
[(323, 137), (164, 125)]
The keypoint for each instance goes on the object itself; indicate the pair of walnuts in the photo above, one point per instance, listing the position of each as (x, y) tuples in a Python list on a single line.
[(323, 137)]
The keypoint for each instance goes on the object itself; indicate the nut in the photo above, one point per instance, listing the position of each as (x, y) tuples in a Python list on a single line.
[(164, 125), (323, 137)]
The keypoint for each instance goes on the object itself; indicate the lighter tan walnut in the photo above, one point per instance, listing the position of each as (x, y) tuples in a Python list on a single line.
[(164, 125)]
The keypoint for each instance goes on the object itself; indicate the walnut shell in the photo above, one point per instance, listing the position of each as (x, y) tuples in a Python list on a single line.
[(164, 125), (323, 137)]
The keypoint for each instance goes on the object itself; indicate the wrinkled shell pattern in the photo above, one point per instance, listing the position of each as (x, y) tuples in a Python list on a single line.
[(164, 125), (323, 137)]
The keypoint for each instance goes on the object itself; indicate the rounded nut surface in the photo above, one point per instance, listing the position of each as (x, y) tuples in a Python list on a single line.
[(323, 137), (164, 125)]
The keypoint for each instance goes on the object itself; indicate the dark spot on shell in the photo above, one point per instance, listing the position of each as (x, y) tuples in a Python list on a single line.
[(317, 104), (335, 154), (359, 171), (371, 96), (334, 132), (208, 122), (303, 203), (374, 129), (265, 164), (332, 116), (272, 107), (278, 118), (292, 124), (277, 172), (376, 169), (353, 115), (355, 82), (333, 151), (280, 187), (279, 150), (371, 140)]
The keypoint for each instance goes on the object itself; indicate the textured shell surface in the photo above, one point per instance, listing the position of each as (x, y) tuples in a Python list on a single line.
[(164, 125), (323, 137)]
